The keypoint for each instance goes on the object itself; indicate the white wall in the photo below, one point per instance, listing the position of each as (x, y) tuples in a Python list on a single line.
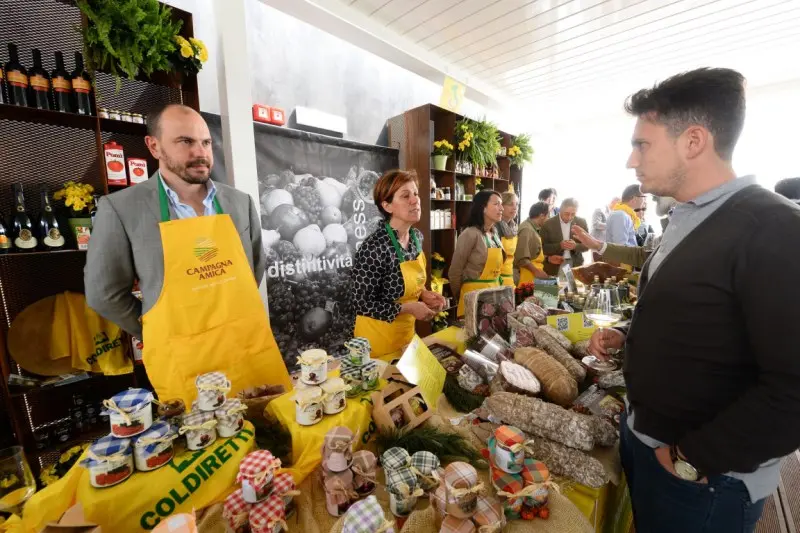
[(586, 158)]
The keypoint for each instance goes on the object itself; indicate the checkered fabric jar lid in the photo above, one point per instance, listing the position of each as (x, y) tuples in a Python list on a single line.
[(106, 449), (439, 499), (505, 482), (369, 367), (257, 464), (349, 369), (401, 481), (534, 471), (460, 475), (364, 461), (283, 483), (158, 433), (358, 344), (338, 439), (216, 381), (231, 407), (197, 418), (131, 400), (234, 507), (509, 436), (451, 524), (395, 458), (426, 462), (366, 516), (266, 514), (489, 514)]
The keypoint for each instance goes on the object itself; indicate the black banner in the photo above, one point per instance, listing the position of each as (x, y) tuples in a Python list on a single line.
[(316, 208)]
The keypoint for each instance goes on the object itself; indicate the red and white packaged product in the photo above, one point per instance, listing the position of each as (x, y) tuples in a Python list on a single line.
[(115, 164), (137, 170)]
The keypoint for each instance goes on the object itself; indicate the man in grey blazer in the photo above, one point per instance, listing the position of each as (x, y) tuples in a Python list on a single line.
[(126, 241), (557, 242)]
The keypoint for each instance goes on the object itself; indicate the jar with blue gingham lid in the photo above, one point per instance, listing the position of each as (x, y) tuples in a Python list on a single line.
[(109, 461)]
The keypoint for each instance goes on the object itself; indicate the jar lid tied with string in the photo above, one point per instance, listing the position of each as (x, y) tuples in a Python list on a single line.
[(153, 448), (129, 412), (109, 461), (212, 389), (256, 473), (200, 429), (230, 417)]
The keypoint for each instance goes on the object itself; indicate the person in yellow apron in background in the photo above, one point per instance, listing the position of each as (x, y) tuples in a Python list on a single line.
[(478, 257), (529, 256), (507, 230), (195, 248), (389, 272)]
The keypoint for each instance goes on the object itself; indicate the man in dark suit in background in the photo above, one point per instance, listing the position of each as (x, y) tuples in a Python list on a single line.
[(557, 242)]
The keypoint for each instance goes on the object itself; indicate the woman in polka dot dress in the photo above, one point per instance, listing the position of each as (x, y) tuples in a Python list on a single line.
[(388, 274)]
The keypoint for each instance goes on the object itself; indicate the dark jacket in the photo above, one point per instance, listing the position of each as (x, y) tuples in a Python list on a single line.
[(551, 242), (712, 361)]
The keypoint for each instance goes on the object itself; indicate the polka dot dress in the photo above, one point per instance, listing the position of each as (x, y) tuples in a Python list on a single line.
[(377, 279)]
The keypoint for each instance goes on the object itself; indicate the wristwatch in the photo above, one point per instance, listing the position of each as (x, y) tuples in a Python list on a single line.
[(683, 468)]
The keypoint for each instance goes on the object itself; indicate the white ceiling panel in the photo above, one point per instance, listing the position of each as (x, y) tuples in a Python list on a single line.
[(537, 51)]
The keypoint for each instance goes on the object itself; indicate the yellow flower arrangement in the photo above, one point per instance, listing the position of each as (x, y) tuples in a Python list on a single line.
[(67, 460), (190, 54), (437, 257), (513, 151), (76, 196), (9, 481), (466, 141), (442, 147)]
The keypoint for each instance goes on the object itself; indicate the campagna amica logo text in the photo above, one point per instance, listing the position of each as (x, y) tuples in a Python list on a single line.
[(205, 249)]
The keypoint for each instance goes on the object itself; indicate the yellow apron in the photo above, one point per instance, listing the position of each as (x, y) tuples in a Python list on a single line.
[(507, 272), (209, 316), (490, 277), (525, 275), (388, 339)]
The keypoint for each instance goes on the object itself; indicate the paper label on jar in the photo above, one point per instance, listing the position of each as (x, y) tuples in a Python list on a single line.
[(110, 473)]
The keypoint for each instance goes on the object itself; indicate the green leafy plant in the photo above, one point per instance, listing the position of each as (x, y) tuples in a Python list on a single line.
[(478, 142), (522, 151), (446, 445), (128, 37)]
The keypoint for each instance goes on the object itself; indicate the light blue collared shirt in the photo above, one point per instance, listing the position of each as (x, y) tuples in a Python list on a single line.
[(619, 229), (186, 211)]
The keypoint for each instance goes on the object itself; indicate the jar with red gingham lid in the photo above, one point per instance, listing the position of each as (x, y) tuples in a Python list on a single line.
[(268, 516), (256, 472)]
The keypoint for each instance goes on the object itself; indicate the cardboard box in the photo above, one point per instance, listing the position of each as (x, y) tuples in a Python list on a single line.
[(397, 394)]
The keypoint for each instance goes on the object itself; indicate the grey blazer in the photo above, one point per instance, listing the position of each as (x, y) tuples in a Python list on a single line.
[(126, 244)]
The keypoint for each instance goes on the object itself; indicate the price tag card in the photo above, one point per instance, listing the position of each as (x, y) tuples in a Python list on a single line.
[(574, 326), (420, 367)]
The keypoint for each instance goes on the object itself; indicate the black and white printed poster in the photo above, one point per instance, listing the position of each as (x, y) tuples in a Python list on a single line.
[(316, 208)]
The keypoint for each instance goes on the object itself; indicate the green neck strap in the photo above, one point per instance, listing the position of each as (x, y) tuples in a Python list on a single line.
[(163, 201), (397, 248)]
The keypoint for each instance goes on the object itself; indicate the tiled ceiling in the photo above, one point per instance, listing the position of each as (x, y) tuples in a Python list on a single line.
[(535, 50)]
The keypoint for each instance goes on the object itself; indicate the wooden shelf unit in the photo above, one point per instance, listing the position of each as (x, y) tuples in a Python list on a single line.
[(47, 148), (413, 134)]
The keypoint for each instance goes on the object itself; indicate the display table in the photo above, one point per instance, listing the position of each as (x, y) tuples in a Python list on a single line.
[(192, 480), (307, 441), (607, 508)]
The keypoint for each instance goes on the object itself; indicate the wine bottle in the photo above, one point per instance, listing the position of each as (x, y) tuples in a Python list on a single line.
[(50, 236), (39, 81), (16, 78), (22, 235), (62, 86), (5, 242), (81, 87)]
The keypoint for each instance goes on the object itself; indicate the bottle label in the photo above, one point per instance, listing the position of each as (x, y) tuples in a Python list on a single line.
[(5, 242), (61, 85), (26, 240), (54, 239), (39, 83), (17, 79), (79, 85), (1, 74)]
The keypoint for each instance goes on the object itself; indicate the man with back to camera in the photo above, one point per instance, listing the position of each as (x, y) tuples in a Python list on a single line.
[(195, 247), (712, 370), (557, 242), (624, 222), (789, 188)]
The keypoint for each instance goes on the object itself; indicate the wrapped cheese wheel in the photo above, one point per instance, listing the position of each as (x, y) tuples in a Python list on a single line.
[(516, 378)]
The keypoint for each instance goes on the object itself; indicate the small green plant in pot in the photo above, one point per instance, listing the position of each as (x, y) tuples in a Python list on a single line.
[(128, 37), (441, 151)]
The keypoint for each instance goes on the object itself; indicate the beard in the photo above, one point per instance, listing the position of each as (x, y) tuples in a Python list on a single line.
[(667, 186), (188, 171)]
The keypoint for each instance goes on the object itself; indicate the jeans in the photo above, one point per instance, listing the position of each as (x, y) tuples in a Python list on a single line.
[(664, 503)]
